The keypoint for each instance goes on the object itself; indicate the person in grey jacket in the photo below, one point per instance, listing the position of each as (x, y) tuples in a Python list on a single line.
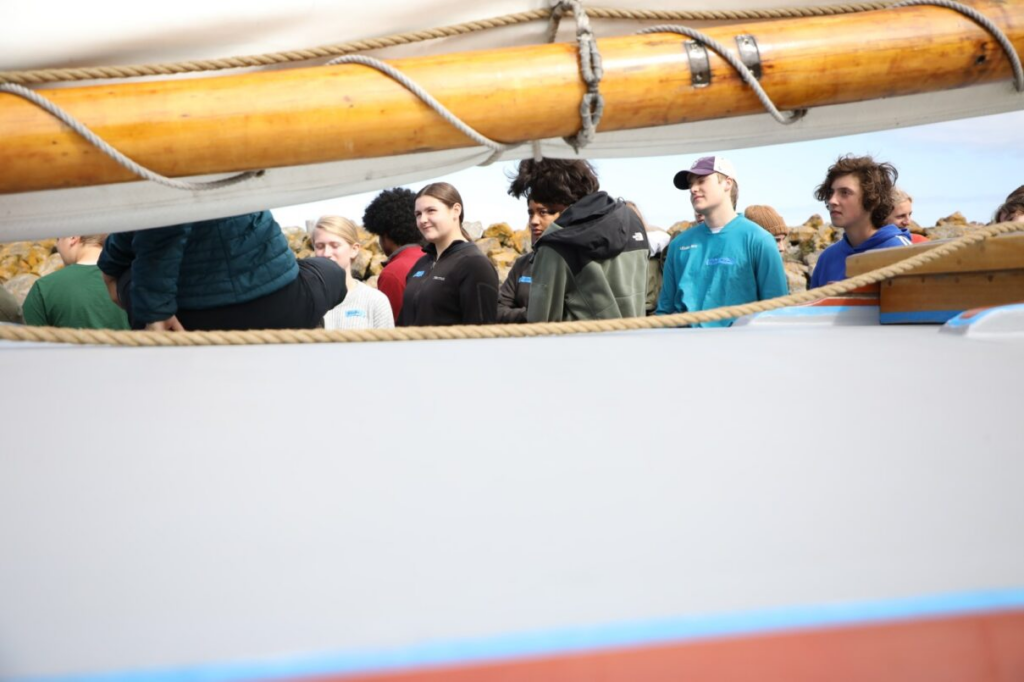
[(225, 273), (591, 261)]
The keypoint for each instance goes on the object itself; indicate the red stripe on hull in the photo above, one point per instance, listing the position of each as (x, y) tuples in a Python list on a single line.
[(844, 301), (987, 648)]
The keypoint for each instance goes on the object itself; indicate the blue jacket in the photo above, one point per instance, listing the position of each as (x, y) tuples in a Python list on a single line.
[(197, 266), (831, 265)]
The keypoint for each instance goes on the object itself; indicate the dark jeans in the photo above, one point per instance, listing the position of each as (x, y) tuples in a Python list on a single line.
[(301, 304)]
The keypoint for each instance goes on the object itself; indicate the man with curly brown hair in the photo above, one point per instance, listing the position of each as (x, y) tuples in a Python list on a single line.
[(858, 194)]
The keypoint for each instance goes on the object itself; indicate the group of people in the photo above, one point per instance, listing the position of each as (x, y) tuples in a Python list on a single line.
[(593, 257)]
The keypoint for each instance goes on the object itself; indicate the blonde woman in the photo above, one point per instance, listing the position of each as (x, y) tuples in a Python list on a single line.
[(364, 307)]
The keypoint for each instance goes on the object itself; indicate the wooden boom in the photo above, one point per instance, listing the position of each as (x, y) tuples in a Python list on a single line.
[(318, 114)]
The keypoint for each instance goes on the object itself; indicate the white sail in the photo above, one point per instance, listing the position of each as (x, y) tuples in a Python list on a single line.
[(113, 33)]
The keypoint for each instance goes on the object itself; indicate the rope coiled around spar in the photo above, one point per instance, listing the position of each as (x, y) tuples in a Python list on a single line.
[(591, 70), (291, 336)]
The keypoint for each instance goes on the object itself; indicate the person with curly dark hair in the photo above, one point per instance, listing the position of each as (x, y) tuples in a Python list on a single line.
[(590, 262), (567, 180), (392, 217), (858, 194)]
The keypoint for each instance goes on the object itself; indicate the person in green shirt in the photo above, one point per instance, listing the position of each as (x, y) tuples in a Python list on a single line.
[(75, 296)]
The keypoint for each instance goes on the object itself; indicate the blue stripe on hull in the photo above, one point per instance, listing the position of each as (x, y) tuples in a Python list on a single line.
[(918, 317), (577, 640)]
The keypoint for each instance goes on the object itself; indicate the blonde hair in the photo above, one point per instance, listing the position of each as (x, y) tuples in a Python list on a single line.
[(340, 227), (899, 196), (93, 239)]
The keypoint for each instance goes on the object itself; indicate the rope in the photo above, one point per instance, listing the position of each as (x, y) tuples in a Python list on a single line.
[(42, 76), (288, 336), (741, 68), (412, 86), (101, 144), (591, 70), (985, 23)]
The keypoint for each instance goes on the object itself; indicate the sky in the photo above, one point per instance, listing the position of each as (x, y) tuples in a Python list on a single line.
[(968, 165)]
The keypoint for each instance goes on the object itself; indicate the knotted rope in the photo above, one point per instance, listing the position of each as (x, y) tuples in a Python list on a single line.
[(591, 70), (283, 336)]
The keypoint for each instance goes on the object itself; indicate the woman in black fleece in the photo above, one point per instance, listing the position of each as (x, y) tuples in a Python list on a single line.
[(453, 283)]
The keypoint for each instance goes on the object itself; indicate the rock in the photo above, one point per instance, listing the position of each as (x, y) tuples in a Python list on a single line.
[(377, 264), (503, 274), (797, 277), (915, 228), (298, 241), (19, 285), (17, 250), (805, 234), (500, 231), (811, 260), (792, 254), (947, 231), (955, 219), (681, 226), (488, 245), (18, 258), (522, 242), (474, 228), (504, 258), (369, 242), (361, 264), (814, 221), (828, 234), (52, 264)]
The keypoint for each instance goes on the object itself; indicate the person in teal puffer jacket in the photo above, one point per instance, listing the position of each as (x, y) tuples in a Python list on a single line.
[(226, 273)]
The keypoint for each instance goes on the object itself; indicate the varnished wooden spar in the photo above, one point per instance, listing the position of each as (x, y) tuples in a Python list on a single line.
[(318, 114)]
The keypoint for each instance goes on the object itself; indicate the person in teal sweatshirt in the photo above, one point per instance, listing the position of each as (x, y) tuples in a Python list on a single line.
[(724, 260)]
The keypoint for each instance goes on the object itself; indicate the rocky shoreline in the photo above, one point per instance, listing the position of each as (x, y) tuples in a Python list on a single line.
[(22, 263)]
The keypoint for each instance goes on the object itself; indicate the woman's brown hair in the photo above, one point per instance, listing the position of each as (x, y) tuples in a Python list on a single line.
[(449, 196)]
